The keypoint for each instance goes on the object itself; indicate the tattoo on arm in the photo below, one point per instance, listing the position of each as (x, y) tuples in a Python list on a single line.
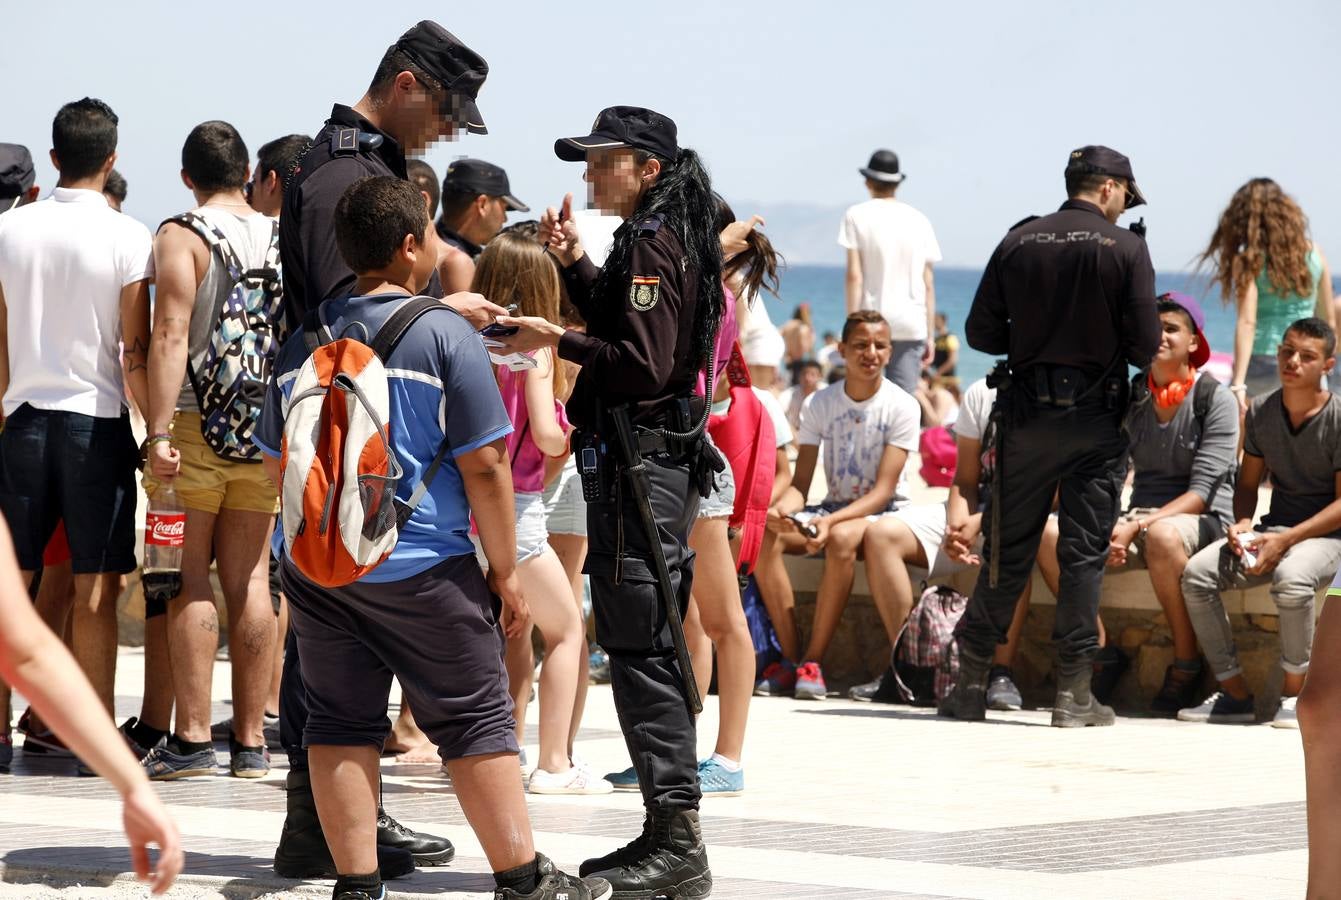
[(137, 355)]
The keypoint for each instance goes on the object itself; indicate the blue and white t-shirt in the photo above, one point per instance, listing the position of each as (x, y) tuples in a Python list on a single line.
[(852, 436), (442, 388)]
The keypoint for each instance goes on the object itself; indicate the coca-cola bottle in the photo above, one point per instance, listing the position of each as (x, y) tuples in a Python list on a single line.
[(164, 534)]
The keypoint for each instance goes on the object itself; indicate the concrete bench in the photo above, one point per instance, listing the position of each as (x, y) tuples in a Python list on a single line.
[(1131, 615)]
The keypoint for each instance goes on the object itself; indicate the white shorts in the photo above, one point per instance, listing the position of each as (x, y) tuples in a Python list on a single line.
[(532, 536), (565, 510), (722, 501), (927, 523)]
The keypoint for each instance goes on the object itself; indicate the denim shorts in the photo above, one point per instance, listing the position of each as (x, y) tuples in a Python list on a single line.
[(58, 465), (532, 536), (722, 501), (565, 510)]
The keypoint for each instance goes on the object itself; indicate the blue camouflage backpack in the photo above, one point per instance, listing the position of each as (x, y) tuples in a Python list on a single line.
[(230, 384)]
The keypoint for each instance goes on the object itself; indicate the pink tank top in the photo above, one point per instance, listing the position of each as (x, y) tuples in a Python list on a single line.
[(727, 333), (528, 463)]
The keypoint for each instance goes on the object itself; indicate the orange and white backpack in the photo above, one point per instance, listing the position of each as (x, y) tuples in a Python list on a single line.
[(339, 509)]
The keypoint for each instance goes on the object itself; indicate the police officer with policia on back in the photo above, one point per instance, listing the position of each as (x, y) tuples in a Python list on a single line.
[(1070, 299), (652, 314)]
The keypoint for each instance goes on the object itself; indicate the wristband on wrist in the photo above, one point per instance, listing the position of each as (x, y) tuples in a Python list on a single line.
[(162, 437), (1238, 388)]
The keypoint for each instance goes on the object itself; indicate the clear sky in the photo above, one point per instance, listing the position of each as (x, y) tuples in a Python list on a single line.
[(981, 100)]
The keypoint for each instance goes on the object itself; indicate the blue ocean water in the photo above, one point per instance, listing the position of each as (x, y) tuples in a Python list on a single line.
[(822, 286)]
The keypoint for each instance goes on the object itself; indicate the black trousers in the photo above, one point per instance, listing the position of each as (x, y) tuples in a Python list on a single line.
[(1081, 455), (631, 626)]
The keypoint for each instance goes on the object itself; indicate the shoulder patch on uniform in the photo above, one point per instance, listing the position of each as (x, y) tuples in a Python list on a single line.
[(345, 142), (644, 292), (652, 224)]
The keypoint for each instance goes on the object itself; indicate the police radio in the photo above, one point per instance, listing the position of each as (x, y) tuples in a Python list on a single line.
[(1138, 228), (590, 470)]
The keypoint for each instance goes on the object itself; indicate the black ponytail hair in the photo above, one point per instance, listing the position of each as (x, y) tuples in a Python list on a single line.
[(682, 195)]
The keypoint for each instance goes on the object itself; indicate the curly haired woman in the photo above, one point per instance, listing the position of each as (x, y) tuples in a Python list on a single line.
[(1264, 262)]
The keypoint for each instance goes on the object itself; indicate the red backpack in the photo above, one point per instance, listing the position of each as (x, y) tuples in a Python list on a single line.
[(746, 438)]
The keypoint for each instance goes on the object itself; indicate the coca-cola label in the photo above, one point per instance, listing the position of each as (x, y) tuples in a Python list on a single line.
[(165, 529)]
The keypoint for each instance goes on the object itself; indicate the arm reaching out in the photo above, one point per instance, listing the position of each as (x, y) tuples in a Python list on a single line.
[(34, 661)]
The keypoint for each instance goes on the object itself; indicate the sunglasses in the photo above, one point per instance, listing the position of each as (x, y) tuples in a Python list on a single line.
[(448, 106)]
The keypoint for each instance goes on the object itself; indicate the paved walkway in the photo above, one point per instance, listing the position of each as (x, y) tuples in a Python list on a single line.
[(844, 800)]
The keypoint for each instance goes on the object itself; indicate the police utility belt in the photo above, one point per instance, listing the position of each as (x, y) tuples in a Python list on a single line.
[(599, 460), (1061, 387)]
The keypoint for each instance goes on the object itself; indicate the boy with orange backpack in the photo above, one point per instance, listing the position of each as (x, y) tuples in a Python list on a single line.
[(385, 430)]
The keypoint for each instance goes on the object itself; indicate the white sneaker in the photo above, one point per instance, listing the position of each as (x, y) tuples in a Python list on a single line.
[(576, 780), (1286, 717)]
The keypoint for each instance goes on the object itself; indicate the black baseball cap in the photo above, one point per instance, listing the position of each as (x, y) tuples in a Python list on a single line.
[(475, 177), (460, 70), (1095, 159), (16, 173), (884, 167), (624, 126)]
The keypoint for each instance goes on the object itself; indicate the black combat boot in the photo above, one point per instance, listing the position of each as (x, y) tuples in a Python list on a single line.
[(302, 851), (967, 700), (427, 849), (674, 863), (629, 853), (1076, 706)]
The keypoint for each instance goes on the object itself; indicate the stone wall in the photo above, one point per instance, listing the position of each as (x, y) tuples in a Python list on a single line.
[(1131, 616)]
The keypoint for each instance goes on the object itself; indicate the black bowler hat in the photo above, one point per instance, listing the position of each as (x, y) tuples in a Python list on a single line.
[(884, 166), (16, 174), (1095, 159), (475, 177), (460, 70), (624, 126)]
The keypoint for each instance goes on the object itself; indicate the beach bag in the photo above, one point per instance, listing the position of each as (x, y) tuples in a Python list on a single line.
[(245, 337), (339, 512), (926, 657), (936, 447), (745, 436)]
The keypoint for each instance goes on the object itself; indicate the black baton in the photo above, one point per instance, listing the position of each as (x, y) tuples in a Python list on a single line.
[(640, 484)]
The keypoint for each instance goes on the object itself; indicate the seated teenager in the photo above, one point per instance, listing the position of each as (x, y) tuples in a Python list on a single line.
[(866, 426), (1182, 492), (1294, 434), (429, 593)]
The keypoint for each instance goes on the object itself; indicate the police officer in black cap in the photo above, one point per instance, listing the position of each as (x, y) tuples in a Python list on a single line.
[(1069, 298), (424, 90), (652, 313), (476, 199)]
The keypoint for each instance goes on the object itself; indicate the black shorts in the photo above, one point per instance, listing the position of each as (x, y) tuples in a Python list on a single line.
[(62, 465), (438, 633)]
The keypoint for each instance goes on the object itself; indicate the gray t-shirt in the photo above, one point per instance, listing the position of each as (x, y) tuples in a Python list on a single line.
[(1171, 459), (1303, 463)]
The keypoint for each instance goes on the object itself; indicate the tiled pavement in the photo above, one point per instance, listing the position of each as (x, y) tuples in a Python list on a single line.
[(844, 800)]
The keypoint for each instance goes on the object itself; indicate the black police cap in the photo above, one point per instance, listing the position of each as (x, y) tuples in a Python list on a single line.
[(1095, 159), (624, 126), (475, 177), (16, 172), (459, 69)]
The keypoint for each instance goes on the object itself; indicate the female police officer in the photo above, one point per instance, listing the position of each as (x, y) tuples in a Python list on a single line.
[(652, 312)]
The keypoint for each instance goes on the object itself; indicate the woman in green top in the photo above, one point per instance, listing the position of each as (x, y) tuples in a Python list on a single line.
[(1263, 260)]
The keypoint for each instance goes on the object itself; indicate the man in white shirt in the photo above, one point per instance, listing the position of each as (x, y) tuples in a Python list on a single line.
[(891, 249), (74, 290), (865, 427)]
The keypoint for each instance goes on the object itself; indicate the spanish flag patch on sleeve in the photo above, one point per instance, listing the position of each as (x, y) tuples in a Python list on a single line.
[(644, 292)]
